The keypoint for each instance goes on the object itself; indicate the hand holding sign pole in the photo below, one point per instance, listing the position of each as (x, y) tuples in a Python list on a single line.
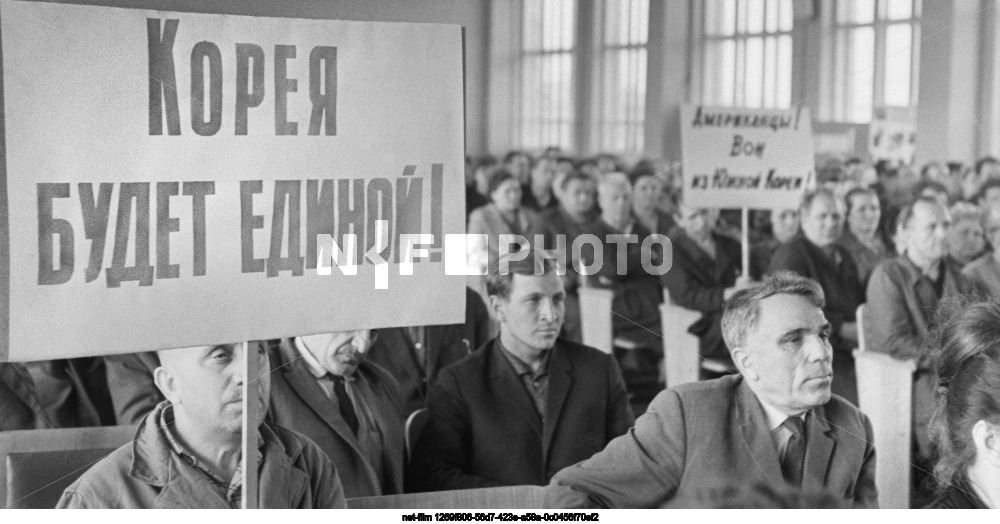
[(737, 158)]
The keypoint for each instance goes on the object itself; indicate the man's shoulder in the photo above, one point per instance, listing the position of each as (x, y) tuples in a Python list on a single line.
[(894, 269), (708, 390), (727, 243), (101, 485), (580, 354), (467, 367), (979, 266), (295, 446)]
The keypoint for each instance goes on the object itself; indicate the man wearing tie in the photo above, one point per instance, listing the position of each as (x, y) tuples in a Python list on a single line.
[(322, 387), (777, 422)]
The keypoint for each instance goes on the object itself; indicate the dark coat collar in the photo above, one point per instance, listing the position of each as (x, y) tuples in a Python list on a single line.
[(560, 383)]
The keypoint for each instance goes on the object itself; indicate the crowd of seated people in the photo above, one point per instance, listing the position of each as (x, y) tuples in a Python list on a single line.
[(528, 405)]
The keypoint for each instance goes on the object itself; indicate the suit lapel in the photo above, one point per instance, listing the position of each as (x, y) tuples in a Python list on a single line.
[(303, 383), (755, 435), (511, 390), (819, 449), (560, 382)]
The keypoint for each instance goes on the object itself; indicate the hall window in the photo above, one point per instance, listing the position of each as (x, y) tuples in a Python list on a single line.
[(546, 97), (875, 58), (623, 26), (747, 53)]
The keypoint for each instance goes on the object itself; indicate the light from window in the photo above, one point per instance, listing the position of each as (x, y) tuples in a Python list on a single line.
[(546, 114), (747, 53), (625, 27), (875, 57)]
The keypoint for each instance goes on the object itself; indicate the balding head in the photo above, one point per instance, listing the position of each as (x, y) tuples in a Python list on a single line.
[(205, 385)]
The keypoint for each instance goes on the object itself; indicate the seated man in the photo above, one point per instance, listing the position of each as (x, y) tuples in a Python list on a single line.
[(188, 454), (903, 296), (528, 403), (784, 225), (322, 387), (130, 381), (559, 227), (415, 355), (776, 422), (637, 294), (52, 394), (815, 254), (704, 274)]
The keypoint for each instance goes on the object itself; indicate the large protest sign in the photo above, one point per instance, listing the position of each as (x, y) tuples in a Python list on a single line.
[(746, 158), (167, 176)]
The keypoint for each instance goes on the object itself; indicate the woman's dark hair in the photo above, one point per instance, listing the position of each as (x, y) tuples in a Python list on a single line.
[(497, 178), (968, 367)]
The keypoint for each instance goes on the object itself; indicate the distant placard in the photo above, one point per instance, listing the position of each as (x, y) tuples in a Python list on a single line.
[(753, 158), (893, 141), (168, 176)]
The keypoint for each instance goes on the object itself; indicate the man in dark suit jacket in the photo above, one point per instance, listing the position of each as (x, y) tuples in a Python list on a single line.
[(527, 404), (704, 274), (359, 426), (637, 295), (414, 356), (815, 254), (777, 423)]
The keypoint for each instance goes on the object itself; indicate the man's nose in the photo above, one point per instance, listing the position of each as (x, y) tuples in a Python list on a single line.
[(546, 310), (818, 349)]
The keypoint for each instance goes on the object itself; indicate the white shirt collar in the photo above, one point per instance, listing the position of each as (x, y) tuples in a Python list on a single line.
[(775, 418), (314, 366)]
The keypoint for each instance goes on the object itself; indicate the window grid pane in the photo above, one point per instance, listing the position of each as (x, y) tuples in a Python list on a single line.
[(622, 88), (870, 33), (546, 114), (751, 67)]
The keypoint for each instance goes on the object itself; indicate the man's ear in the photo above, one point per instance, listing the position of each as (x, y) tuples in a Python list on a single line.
[(744, 363), (497, 308), (167, 385), (987, 439)]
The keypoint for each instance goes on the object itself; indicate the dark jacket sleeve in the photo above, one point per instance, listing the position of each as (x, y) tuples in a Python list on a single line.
[(443, 450), (688, 291), (887, 323), (865, 490), (327, 491), (640, 469), (619, 415), (629, 260), (130, 380)]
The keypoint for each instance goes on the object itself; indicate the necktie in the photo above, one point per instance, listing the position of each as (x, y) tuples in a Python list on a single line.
[(346, 406), (795, 451)]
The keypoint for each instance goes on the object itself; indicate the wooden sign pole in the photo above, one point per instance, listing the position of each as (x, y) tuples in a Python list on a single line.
[(251, 455), (745, 237)]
